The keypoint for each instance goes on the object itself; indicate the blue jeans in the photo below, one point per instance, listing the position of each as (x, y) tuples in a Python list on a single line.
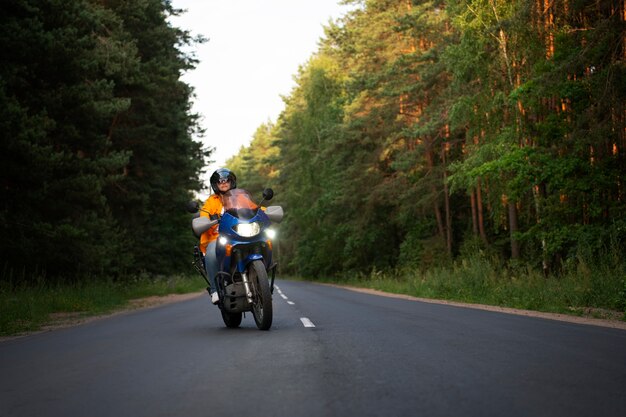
[(210, 264)]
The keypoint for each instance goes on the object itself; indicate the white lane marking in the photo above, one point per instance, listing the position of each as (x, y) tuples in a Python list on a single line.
[(280, 292), (306, 322)]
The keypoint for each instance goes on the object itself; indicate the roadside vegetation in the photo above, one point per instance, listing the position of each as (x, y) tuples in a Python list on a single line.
[(29, 307), (99, 153), (462, 150), (589, 287)]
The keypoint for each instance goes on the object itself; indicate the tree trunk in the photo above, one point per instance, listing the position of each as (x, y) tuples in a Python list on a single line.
[(479, 207), (437, 210), (539, 194), (446, 200), (513, 228), (474, 212)]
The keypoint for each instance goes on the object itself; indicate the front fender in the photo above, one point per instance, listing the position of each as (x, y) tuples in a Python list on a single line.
[(243, 264)]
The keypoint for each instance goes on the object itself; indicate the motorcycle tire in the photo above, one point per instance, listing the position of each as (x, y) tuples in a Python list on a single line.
[(231, 320), (262, 298)]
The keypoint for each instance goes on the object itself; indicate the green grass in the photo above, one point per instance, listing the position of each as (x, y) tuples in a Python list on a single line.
[(597, 291), (29, 307)]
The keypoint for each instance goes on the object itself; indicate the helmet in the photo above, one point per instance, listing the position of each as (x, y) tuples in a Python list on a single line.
[(223, 173)]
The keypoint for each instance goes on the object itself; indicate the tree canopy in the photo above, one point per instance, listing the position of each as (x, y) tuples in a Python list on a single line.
[(418, 131), (421, 129), (97, 150)]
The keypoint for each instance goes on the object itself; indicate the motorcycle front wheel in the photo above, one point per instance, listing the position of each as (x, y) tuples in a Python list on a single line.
[(231, 320), (262, 297)]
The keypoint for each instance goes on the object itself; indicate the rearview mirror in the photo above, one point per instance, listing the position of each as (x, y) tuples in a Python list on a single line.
[(193, 206), (268, 194)]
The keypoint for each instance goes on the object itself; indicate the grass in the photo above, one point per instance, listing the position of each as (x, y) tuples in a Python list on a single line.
[(595, 289), (30, 307), (591, 290)]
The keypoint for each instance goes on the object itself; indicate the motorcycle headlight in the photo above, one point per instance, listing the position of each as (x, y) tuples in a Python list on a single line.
[(248, 229), (271, 233)]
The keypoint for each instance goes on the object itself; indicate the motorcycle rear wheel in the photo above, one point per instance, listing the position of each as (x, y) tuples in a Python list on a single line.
[(262, 298), (231, 320)]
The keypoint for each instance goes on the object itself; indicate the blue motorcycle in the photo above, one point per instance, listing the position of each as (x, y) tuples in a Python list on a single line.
[(244, 254)]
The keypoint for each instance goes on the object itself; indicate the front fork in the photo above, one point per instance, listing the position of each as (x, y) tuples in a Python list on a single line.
[(246, 284), (246, 281)]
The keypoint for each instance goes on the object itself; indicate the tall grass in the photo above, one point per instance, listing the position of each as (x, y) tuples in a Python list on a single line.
[(583, 286), (28, 307)]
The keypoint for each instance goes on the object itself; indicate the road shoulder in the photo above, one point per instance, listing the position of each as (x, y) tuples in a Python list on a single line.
[(615, 324), (64, 320)]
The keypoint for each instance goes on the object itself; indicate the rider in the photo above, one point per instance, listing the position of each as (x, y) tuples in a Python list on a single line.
[(221, 180)]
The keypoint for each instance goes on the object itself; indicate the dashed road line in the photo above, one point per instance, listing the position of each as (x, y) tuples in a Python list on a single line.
[(281, 294), (306, 322)]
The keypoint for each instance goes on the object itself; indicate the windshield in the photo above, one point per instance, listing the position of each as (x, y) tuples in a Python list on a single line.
[(239, 203)]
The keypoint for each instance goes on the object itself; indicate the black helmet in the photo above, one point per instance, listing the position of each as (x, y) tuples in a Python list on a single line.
[(223, 173)]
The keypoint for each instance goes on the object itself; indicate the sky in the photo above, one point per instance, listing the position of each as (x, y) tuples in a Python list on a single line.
[(254, 50)]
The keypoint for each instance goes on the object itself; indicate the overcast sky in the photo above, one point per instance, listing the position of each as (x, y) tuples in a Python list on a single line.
[(254, 50)]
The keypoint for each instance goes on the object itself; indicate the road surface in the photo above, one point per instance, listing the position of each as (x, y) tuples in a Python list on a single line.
[(330, 352)]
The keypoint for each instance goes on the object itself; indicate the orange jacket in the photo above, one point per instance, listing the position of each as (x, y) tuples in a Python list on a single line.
[(212, 206)]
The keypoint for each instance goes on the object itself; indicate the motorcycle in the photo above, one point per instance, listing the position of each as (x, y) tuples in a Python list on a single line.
[(244, 254)]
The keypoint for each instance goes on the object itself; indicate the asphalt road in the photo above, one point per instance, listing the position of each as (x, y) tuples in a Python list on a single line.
[(366, 355)]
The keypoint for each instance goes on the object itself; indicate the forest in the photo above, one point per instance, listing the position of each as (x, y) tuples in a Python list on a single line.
[(98, 153), (423, 133), (420, 135)]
